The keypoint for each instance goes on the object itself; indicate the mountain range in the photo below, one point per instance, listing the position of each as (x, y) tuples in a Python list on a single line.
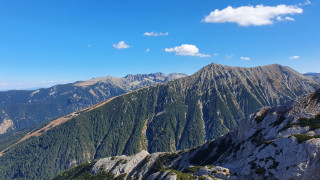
[(314, 76), (175, 115), (20, 109), (281, 142)]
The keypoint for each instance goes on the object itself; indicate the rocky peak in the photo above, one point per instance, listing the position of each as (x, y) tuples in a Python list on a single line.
[(281, 142)]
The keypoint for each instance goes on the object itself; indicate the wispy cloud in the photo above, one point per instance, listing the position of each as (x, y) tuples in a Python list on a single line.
[(252, 16), (287, 18), (155, 34), (121, 45), (245, 58), (147, 50), (3, 83), (294, 57), (307, 2), (229, 56), (186, 50), (216, 54), (89, 45)]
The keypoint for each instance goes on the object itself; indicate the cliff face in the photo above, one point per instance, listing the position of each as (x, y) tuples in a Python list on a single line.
[(282, 142), (176, 115)]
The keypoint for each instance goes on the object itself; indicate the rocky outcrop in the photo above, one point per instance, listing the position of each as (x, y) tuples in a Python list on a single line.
[(282, 142), (276, 143), (119, 164), (5, 125)]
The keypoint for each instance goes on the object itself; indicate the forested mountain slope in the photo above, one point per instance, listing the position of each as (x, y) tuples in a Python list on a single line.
[(20, 109), (176, 115), (275, 143)]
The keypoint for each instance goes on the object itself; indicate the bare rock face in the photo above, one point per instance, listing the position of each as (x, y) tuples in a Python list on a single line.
[(276, 143), (282, 142), (119, 164), (5, 125)]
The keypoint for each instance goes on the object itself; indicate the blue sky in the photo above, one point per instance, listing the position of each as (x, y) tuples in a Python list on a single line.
[(43, 43)]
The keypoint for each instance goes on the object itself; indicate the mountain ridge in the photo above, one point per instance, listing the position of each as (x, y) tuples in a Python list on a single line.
[(20, 109), (281, 142), (175, 115)]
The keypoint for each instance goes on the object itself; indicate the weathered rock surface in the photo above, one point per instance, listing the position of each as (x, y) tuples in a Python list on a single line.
[(282, 142)]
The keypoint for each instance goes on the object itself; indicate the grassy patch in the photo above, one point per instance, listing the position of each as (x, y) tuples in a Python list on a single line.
[(181, 175), (313, 123), (82, 172), (303, 137), (161, 161), (194, 169)]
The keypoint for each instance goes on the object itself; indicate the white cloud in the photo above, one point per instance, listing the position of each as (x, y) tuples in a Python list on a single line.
[(216, 54), (229, 56), (279, 18), (186, 50), (147, 50), (250, 15), (245, 58), (203, 55), (156, 34), (121, 45), (307, 2), (294, 57), (287, 18)]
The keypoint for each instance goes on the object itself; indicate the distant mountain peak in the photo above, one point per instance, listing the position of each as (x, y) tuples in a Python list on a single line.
[(311, 73), (314, 76)]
